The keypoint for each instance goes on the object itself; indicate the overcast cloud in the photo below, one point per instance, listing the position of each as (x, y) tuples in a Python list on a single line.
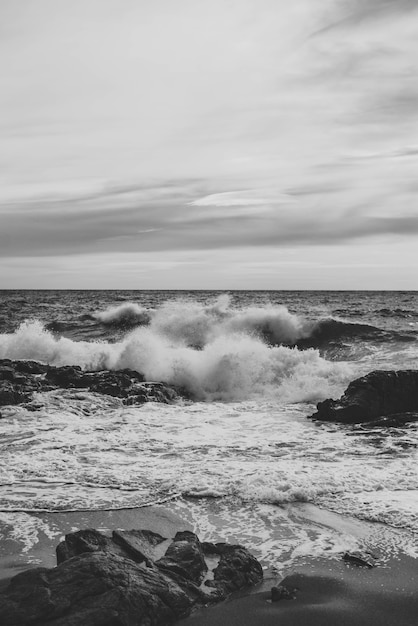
[(182, 143)]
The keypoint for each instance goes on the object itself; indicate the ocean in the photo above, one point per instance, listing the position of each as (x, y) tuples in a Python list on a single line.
[(238, 457)]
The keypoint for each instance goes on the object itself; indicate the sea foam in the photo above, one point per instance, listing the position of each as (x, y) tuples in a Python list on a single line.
[(195, 324), (126, 314), (222, 366)]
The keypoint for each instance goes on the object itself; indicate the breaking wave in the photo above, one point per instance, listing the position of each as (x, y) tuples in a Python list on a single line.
[(231, 366), (126, 314), (197, 324)]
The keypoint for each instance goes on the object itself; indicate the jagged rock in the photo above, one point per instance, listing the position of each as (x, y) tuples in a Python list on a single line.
[(83, 541), (68, 376), (19, 379), (93, 589), (237, 568), (185, 557), (27, 367), (114, 581), (140, 545), (380, 393), (360, 559)]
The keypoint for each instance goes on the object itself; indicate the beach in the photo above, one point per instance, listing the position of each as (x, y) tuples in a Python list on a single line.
[(326, 590), (230, 453)]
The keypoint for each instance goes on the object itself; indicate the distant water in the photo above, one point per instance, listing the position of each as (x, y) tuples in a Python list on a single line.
[(255, 364)]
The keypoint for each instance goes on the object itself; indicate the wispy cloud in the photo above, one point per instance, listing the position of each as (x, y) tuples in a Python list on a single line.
[(157, 220)]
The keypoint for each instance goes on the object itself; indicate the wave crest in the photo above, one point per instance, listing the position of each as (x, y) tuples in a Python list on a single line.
[(195, 324), (126, 314), (235, 366)]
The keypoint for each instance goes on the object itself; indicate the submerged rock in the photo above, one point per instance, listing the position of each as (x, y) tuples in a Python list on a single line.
[(115, 581), (376, 395), (360, 559), (19, 379), (281, 592)]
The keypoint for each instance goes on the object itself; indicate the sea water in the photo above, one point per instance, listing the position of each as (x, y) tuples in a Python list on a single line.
[(239, 458)]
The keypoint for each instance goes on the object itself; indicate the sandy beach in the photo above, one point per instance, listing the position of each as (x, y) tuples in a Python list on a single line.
[(327, 594), (328, 591)]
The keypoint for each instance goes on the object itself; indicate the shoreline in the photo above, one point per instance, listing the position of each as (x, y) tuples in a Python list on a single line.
[(327, 593), (330, 591)]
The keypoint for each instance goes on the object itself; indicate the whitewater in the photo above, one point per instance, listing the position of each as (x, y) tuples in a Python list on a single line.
[(251, 367)]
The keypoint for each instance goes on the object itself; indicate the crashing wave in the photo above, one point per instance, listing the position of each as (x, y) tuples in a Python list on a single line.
[(126, 314), (195, 324), (233, 366)]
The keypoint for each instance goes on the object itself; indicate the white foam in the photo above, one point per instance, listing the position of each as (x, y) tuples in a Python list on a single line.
[(125, 313), (24, 528), (233, 366), (195, 324)]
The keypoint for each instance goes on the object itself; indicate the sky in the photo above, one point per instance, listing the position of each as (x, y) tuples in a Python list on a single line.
[(230, 144)]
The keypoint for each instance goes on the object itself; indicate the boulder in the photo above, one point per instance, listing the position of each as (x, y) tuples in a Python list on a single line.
[(114, 581), (93, 589), (376, 395)]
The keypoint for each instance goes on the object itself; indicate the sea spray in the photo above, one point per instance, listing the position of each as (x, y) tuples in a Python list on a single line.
[(195, 324), (229, 367), (126, 314)]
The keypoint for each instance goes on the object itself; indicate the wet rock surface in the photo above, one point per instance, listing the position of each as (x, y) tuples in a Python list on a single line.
[(20, 379), (373, 397), (360, 559), (116, 581)]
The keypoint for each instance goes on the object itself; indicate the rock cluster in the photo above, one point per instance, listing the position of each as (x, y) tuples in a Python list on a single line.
[(377, 395), (134, 578), (20, 379)]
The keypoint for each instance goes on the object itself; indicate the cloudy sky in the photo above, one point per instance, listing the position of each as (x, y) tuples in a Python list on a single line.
[(194, 144)]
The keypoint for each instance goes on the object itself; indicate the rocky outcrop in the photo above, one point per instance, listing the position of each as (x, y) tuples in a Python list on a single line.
[(119, 581), (20, 379), (377, 395)]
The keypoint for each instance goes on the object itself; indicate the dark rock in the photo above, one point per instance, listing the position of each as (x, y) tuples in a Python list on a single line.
[(185, 557), (378, 394), (19, 379), (396, 420), (68, 376), (29, 367), (7, 373), (139, 545), (93, 590), (360, 559), (113, 581), (114, 384), (281, 592), (82, 541), (10, 394), (237, 568)]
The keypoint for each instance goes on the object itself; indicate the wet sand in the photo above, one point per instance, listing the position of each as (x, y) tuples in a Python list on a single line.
[(49, 529), (329, 592)]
